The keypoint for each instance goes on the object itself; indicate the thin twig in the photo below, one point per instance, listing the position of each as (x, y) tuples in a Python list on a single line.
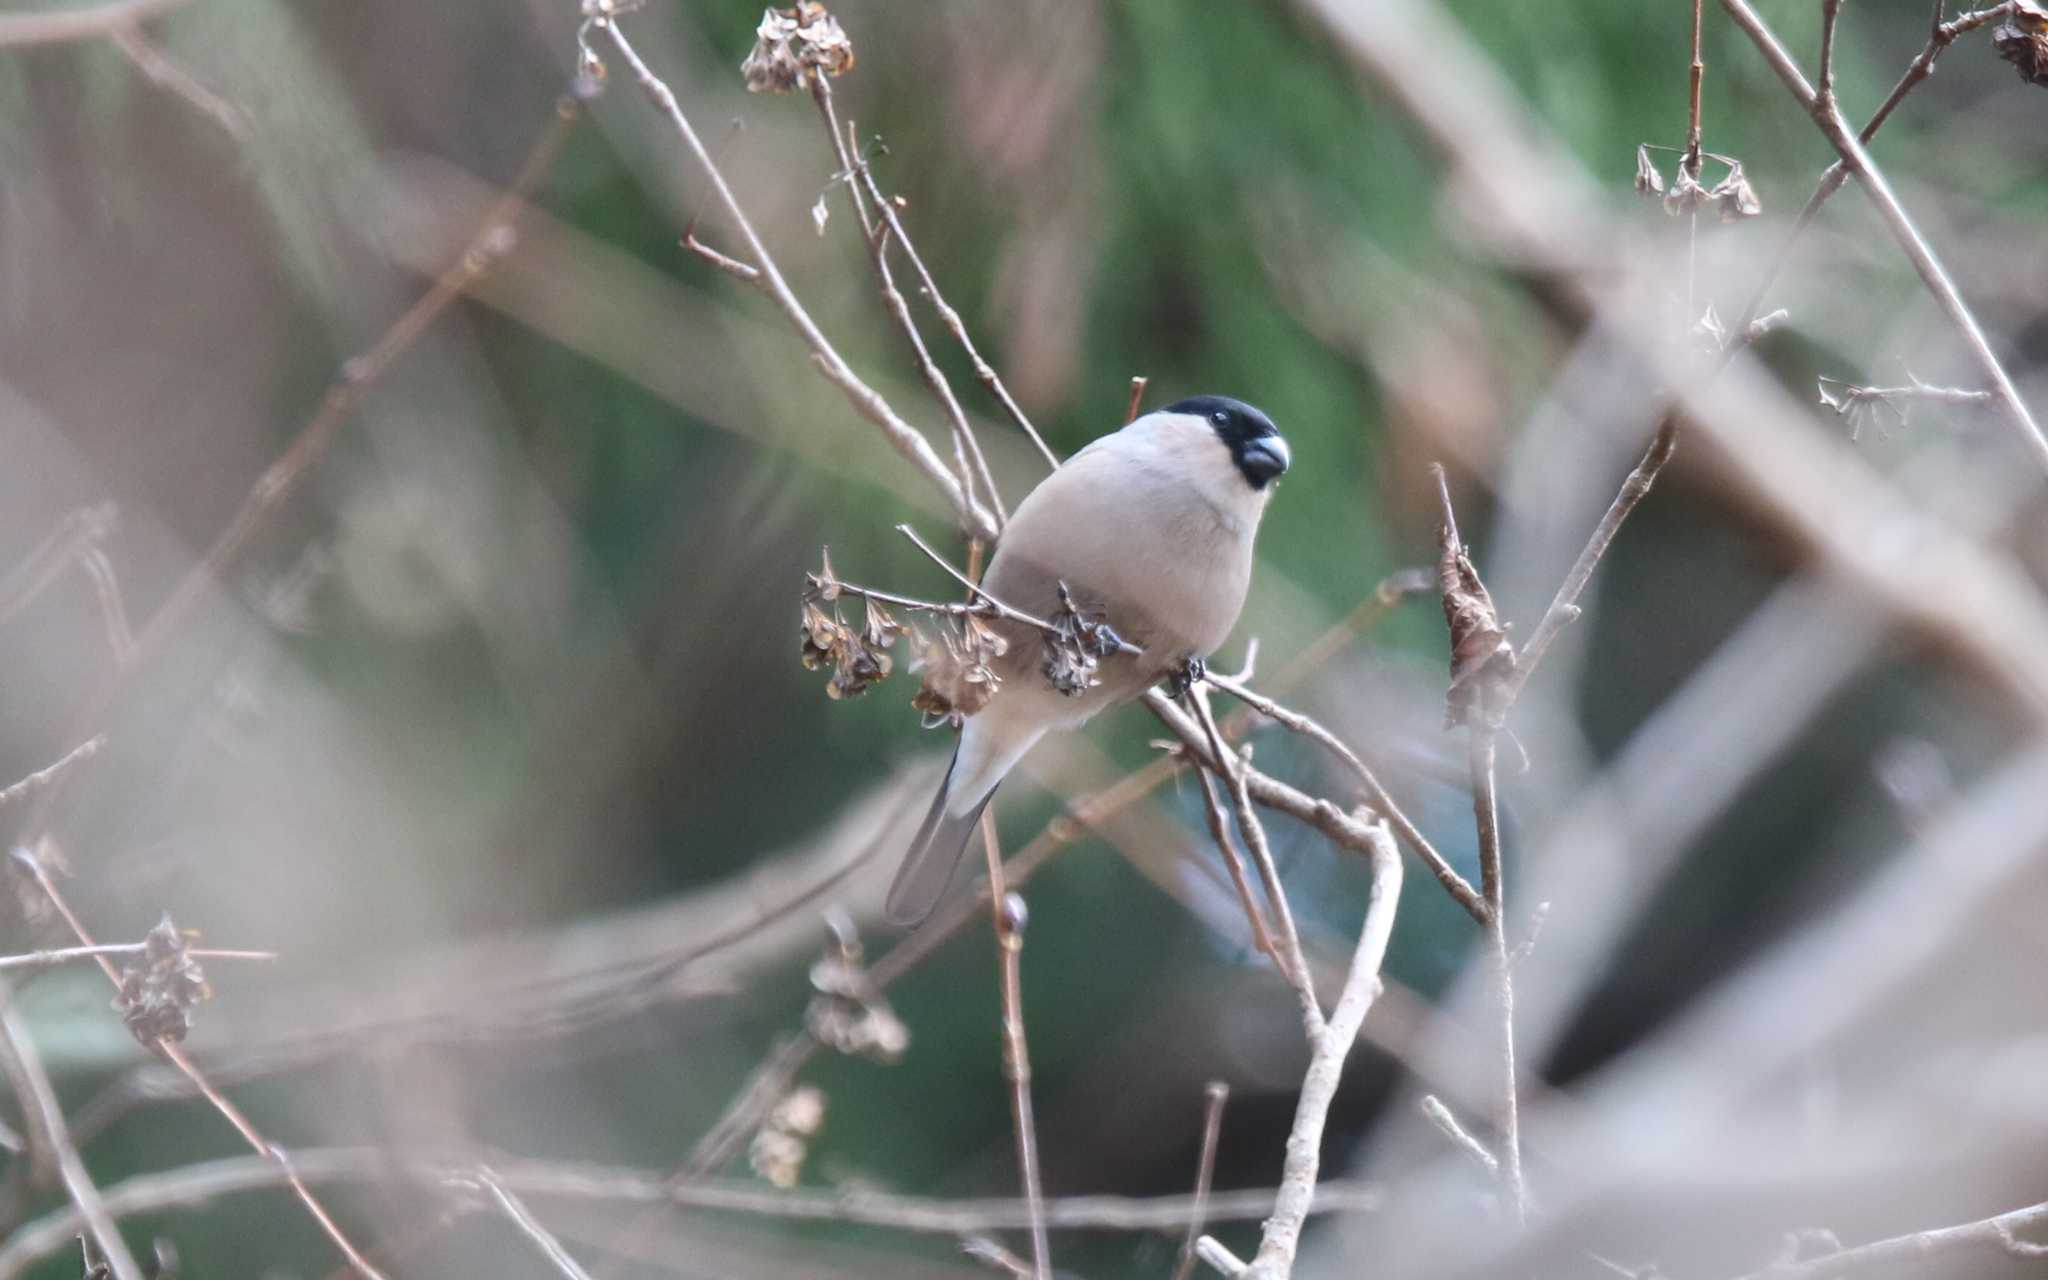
[(1328, 1047), (158, 68), (1994, 1233), (983, 370), (1941, 36), (970, 463), (1294, 965), (1008, 916), (543, 1239), (49, 774), (1219, 830), (198, 1183), (1434, 1110), (1217, 1094), (1138, 385), (45, 1121), (904, 438), (1828, 116), (64, 955)]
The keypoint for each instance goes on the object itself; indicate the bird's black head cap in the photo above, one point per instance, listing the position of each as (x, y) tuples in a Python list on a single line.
[(1254, 442)]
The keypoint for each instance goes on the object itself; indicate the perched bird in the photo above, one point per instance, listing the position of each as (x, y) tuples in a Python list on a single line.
[(1150, 528)]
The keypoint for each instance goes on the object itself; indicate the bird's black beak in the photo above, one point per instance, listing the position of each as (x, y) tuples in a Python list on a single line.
[(1264, 459)]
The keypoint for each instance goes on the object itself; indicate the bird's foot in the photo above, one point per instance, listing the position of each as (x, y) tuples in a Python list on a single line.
[(1185, 677)]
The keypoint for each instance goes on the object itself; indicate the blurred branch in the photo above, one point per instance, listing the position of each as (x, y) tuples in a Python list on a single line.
[(1328, 1048), (1216, 1095), (80, 538), (1434, 1110), (57, 26), (1827, 115), (64, 955), (1994, 1233), (493, 239), (195, 1184), (903, 437), (157, 67), (49, 774), (543, 1239), (44, 1120)]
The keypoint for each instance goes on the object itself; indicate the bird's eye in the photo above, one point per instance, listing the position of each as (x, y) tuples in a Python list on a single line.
[(1220, 418)]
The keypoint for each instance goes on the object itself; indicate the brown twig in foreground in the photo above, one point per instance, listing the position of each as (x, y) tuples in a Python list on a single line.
[(1216, 1095), (1008, 916), (1328, 1048), (44, 1120), (904, 438)]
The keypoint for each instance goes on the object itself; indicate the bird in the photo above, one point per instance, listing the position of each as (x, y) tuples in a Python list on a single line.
[(1149, 528)]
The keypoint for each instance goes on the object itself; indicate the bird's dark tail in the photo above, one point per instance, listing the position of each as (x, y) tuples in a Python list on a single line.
[(934, 856)]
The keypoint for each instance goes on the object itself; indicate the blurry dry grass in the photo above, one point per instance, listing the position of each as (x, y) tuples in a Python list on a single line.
[(1861, 1097)]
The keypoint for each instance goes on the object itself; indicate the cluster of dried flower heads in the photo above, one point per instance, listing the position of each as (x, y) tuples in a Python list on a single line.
[(157, 995), (1732, 196), (791, 44)]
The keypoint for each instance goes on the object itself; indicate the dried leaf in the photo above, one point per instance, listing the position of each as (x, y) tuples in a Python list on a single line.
[(158, 994), (791, 44), (1648, 181), (1481, 656), (2024, 41), (1685, 195), (1735, 198)]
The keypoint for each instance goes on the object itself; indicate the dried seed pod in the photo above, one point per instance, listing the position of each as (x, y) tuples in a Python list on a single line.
[(792, 44), (2024, 41), (1648, 181), (158, 994)]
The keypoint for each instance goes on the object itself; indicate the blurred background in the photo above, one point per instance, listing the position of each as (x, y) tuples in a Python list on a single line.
[(495, 729)]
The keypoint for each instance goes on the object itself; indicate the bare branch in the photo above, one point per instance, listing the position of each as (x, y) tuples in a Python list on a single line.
[(1994, 1233), (1008, 916), (543, 1239), (1828, 116), (866, 401), (1328, 1048)]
